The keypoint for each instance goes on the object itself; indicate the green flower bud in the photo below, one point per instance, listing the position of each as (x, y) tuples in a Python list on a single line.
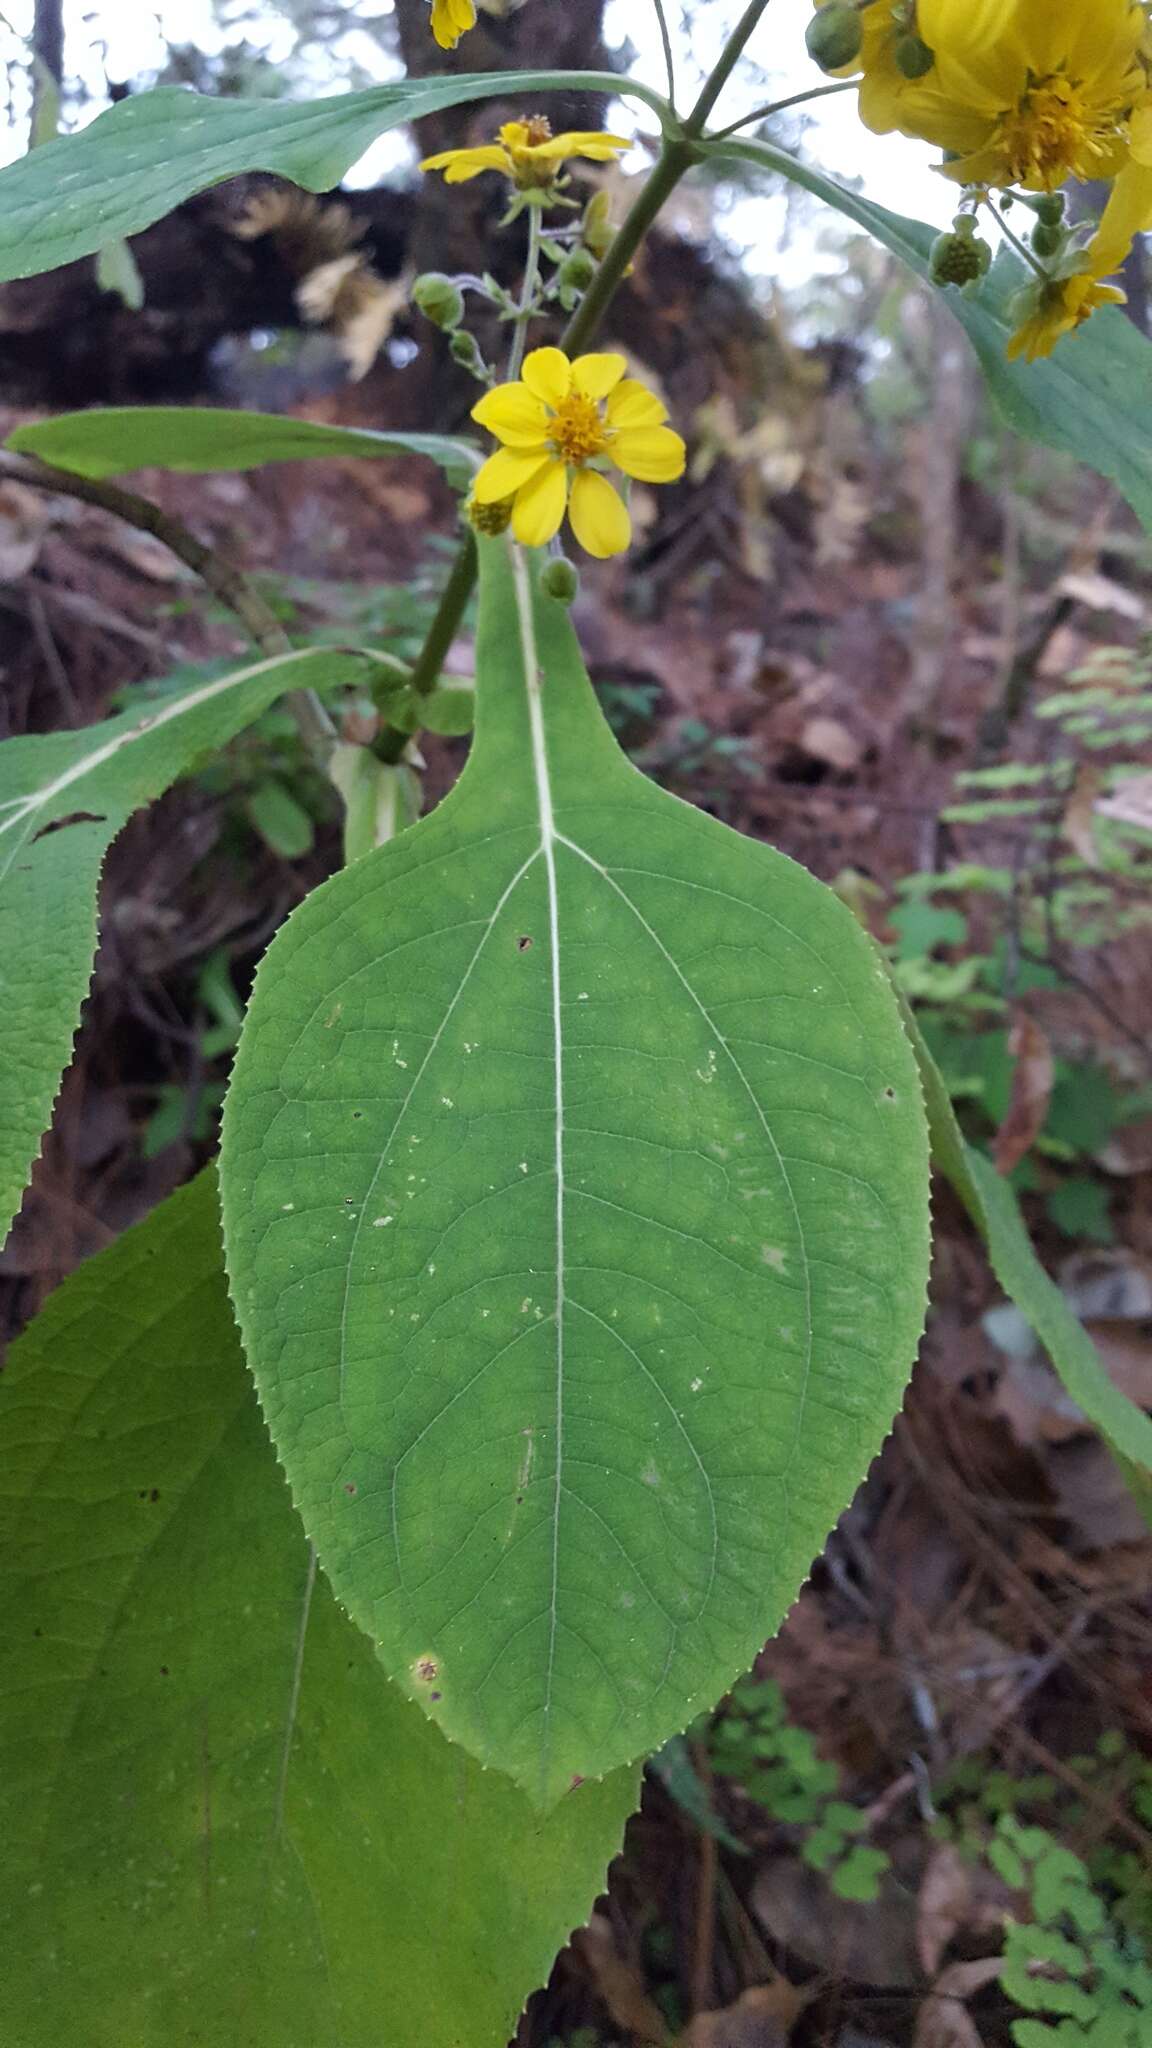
[(464, 349), (597, 230), (561, 580), (440, 299), (1050, 208), (961, 257), (913, 57), (577, 270), (1048, 241), (834, 36)]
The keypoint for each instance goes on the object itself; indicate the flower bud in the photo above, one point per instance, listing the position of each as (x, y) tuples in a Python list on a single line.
[(913, 57), (1050, 208), (577, 270), (1048, 240), (464, 349), (597, 229), (490, 520), (561, 580), (961, 257), (440, 299), (834, 37)]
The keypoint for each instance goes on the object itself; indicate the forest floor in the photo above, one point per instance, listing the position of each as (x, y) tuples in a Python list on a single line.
[(832, 1860)]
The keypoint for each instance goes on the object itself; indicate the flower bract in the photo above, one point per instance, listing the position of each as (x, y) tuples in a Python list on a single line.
[(452, 19), (527, 154), (561, 425)]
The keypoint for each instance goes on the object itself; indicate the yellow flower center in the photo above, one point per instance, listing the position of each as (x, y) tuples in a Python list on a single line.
[(577, 430), (1054, 134)]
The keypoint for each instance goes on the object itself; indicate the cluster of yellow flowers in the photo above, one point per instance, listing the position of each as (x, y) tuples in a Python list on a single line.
[(1022, 96)]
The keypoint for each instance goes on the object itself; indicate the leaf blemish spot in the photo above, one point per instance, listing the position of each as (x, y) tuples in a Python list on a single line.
[(426, 1670)]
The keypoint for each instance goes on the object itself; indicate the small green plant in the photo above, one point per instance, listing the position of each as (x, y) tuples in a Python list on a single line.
[(756, 1744), (1069, 1960)]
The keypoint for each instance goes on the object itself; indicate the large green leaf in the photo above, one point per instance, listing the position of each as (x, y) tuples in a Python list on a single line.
[(155, 149), (992, 1205), (195, 437), (63, 798), (1089, 399), (575, 1190), (223, 1827)]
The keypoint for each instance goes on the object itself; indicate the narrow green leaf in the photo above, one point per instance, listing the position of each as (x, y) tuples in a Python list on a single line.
[(575, 1187), (155, 149), (991, 1203), (63, 799), (222, 1824), (119, 438), (1087, 399)]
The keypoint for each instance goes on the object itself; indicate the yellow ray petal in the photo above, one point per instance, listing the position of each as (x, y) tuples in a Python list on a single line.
[(600, 518), (655, 455), (633, 405), (513, 414), (539, 506), (507, 472), (548, 373), (458, 165), (596, 376)]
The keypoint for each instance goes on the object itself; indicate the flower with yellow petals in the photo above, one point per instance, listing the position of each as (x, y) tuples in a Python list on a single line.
[(452, 19), (558, 426), (1020, 92), (1056, 307), (527, 154)]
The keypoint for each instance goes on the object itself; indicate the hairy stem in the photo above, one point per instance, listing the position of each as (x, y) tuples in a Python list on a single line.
[(528, 293)]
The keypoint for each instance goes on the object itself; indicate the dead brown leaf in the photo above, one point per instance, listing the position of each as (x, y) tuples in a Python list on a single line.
[(944, 1905), (944, 2020), (1079, 820), (1032, 1083), (763, 2017), (1131, 804), (621, 1986)]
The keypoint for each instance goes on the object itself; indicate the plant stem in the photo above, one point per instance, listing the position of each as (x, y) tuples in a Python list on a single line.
[(677, 156), (729, 57), (221, 577), (797, 99), (1020, 247), (445, 625), (528, 292), (669, 66)]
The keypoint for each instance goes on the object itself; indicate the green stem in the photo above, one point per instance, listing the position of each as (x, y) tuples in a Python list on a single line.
[(797, 99), (677, 156), (442, 632), (729, 58), (669, 65), (674, 160), (1019, 246), (528, 293)]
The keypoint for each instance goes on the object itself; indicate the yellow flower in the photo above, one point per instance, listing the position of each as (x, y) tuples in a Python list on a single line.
[(527, 153), (557, 425), (452, 19), (1021, 92), (1055, 308)]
